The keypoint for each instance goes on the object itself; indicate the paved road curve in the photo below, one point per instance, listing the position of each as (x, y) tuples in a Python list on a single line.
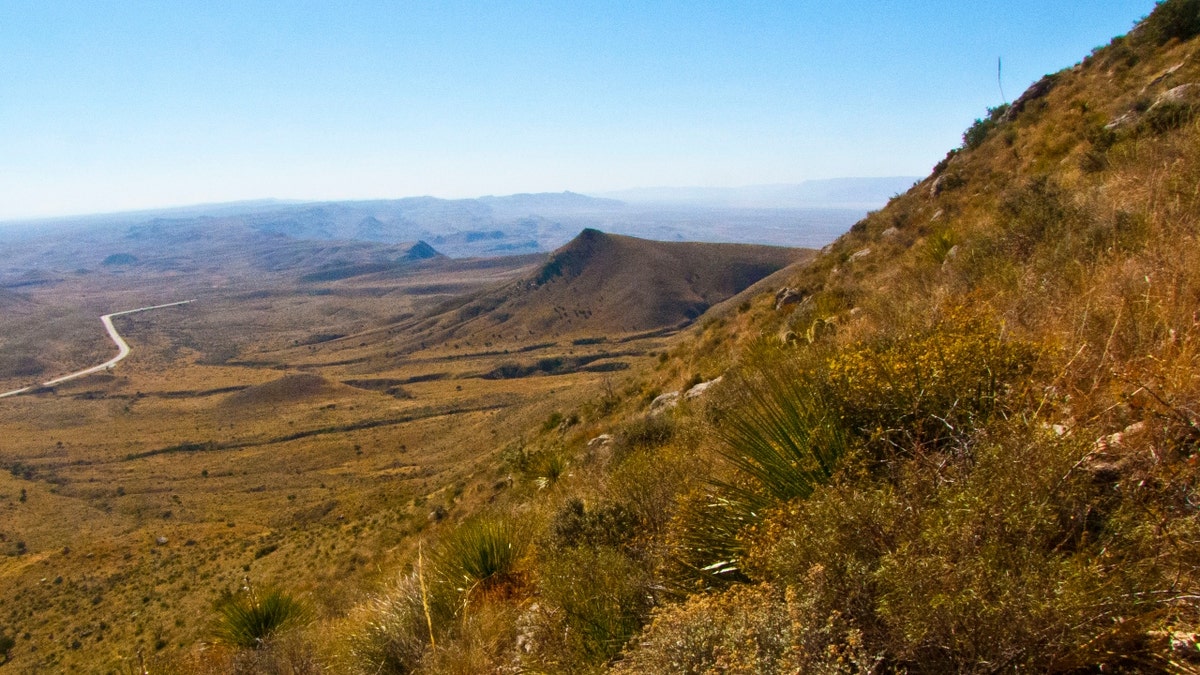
[(122, 350)]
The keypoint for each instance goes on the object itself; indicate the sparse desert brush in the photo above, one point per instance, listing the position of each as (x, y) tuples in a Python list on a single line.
[(648, 482), (747, 629), (595, 600), (1007, 558), (399, 627), (643, 431), (575, 525)]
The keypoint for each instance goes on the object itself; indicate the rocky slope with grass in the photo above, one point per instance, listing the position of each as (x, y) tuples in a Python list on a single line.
[(964, 438)]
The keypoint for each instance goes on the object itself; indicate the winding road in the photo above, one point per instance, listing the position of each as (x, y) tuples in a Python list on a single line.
[(122, 350)]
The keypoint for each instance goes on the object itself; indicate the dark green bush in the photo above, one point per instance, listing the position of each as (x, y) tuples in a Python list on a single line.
[(1167, 116), (978, 132), (575, 525), (1172, 19), (648, 431)]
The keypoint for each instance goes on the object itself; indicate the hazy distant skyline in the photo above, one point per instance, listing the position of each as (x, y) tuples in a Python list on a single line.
[(108, 106)]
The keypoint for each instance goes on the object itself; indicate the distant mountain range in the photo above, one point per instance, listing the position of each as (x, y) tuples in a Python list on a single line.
[(809, 214)]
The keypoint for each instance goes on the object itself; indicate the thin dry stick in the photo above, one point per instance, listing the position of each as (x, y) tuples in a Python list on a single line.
[(424, 594), (1107, 346)]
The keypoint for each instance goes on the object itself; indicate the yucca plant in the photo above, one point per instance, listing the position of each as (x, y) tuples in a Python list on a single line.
[(481, 553), (250, 618), (781, 437), (783, 442)]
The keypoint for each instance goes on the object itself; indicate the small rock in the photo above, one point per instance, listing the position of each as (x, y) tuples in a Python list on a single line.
[(1117, 440), (1180, 94), (699, 389), (1105, 472), (859, 255), (161, 541), (788, 296), (664, 402), (1163, 75), (1186, 645), (1035, 91), (1122, 121), (599, 441), (936, 188), (890, 233)]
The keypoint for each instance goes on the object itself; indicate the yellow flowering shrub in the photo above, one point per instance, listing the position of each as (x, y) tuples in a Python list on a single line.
[(929, 387)]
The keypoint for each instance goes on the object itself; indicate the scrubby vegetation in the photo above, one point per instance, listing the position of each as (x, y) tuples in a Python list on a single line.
[(974, 449), (964, 438)]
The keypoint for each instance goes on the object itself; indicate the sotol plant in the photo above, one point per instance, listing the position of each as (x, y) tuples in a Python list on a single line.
[(249, 619)]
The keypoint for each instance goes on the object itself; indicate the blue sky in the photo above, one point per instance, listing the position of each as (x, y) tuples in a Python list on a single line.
[(118, 105)]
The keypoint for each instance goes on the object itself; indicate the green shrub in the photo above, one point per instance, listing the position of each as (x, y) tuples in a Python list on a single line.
[(552, 422), (252, 617), (979, 131), (611, 525), (1167, 116), (781, 440), (481, 553), (647, 431), (1172, 19), (1004, 559)]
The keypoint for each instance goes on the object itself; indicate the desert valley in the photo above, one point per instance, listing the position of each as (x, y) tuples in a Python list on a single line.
[(945, 423)]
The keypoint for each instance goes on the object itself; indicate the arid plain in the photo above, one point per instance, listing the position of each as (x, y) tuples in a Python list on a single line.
[(317, 405)]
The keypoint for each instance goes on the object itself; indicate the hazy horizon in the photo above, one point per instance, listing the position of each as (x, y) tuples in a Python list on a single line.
[(762, 197)]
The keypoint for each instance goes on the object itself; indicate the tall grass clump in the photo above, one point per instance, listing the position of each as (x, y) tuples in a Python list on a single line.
[(252, 617), (394, 638), (595, 600)]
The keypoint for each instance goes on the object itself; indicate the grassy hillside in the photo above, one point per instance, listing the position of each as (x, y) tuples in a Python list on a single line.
[(962, 439)]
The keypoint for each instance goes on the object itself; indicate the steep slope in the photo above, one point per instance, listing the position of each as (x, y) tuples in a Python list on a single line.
[(606, 284), (964, 438)]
